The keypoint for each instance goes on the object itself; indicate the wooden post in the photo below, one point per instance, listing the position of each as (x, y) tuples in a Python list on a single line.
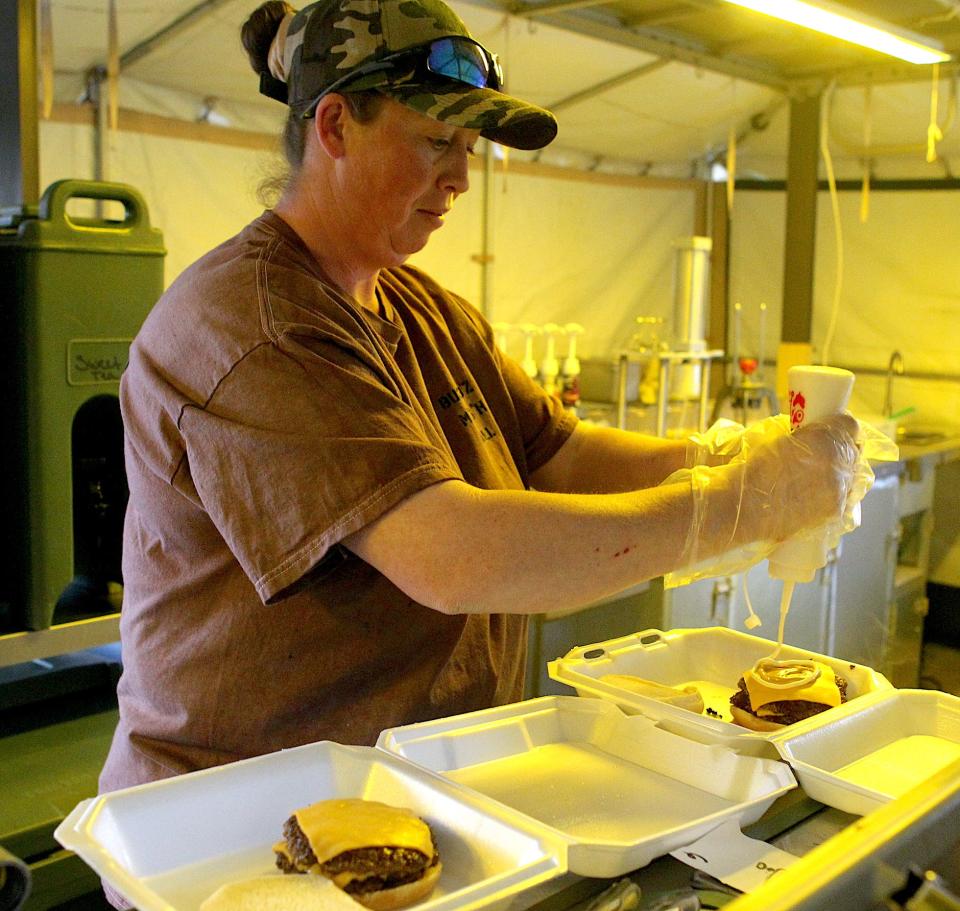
[(801, 233), (19, 108)]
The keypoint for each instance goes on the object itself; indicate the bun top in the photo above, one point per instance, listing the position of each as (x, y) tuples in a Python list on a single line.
[(335, 826), (778, 681)]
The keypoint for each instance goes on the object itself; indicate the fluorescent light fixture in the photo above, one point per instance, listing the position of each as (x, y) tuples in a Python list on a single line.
[(833, 19)]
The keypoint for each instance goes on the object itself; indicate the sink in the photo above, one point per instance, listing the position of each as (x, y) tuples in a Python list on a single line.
[(919, 437)]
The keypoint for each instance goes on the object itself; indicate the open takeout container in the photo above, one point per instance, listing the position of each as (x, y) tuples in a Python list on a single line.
[(867, 757), (712, 660), (616, 789), (169, 844)]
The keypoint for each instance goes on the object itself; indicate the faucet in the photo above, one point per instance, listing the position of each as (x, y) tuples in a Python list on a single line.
[(894, 367)]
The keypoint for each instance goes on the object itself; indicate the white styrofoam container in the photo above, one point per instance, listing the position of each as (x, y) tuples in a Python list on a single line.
[(866, 758), (169, 844), (616, 788), (711, 659)]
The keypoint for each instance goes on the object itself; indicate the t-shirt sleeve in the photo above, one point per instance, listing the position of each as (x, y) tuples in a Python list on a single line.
[(301, 445), (545, 425), (544, 422)]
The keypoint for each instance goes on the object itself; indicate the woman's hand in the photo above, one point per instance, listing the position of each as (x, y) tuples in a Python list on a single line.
[(798, 480)]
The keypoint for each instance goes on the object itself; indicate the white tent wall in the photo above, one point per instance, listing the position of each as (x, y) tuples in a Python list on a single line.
[(565, 250), (577, 250), (581, 250), (900, 290)]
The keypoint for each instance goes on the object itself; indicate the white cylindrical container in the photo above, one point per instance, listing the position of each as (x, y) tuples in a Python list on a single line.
[(814, 393), (690, 295)]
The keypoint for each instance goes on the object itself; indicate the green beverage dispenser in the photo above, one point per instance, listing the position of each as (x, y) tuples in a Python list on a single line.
[(77, 289)]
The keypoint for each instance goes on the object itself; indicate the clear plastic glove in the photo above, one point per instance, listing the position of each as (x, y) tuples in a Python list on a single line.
[(716, 445), (777, 486)]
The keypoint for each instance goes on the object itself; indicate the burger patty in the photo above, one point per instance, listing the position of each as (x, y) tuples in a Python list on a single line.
[(382, 867), (786, 711)]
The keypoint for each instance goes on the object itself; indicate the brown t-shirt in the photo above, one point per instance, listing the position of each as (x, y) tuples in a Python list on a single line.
[(267, 417)]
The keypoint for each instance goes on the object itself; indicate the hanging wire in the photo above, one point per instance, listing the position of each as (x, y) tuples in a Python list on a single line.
[(835, 209), (732, 149), (867, 137), (934, 133)]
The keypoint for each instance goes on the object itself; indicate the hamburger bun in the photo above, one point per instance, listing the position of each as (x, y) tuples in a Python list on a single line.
[(401, 896), (754, 722), (685, 697), (383, 857), (280, 893), (774, 694)]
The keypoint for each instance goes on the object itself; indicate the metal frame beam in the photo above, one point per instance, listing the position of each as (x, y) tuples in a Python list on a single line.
[(608, 84), (584, 17), (604, 26), (184, 20)]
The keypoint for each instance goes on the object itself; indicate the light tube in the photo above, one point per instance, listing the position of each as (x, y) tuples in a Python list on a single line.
[(835, 20)]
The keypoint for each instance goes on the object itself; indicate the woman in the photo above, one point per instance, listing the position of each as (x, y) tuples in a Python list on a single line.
[(344, 499)]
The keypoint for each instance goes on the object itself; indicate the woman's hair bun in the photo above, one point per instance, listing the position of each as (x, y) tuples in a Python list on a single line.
[(260, 29)]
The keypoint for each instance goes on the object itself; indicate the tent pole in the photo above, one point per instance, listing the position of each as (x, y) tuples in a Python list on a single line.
[(800, 241), (719, 232), (96, 94), (19, 110)]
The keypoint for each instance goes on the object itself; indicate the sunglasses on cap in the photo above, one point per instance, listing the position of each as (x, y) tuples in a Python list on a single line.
[(455, 57)]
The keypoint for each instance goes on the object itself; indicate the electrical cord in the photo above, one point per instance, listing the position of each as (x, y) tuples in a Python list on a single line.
[(835, 209)]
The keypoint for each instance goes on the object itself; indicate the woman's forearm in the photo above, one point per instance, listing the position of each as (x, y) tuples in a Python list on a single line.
[(607, 460), (462, 550)]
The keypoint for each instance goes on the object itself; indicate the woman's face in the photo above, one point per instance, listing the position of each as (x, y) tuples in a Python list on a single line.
[(401, 174)]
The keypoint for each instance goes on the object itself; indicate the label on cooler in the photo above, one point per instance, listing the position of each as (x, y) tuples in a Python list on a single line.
[(91, 361)]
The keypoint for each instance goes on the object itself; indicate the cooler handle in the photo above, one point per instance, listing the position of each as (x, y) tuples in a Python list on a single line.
[(53, 204)]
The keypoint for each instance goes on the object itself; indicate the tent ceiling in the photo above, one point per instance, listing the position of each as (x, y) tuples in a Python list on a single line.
[(730, 39), (652, 83)]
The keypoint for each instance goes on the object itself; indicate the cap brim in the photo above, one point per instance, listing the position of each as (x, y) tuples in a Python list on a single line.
[(499, 117)]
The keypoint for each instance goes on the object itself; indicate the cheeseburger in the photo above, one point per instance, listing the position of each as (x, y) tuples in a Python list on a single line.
[(383, 857), (774, 694)]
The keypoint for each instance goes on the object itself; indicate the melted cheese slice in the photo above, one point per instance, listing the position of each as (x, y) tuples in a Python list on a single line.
[(335, 826), (823, 690)]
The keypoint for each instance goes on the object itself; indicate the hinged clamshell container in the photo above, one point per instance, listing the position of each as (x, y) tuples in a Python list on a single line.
[(712, 660), (617, 789), (170, 844), (876, 751)]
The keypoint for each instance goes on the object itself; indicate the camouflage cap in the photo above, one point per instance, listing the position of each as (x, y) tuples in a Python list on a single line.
[(329, 39)]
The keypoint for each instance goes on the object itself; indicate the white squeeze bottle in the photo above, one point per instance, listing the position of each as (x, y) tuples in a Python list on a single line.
[(529, 362), (814, 393), (550, 366)]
